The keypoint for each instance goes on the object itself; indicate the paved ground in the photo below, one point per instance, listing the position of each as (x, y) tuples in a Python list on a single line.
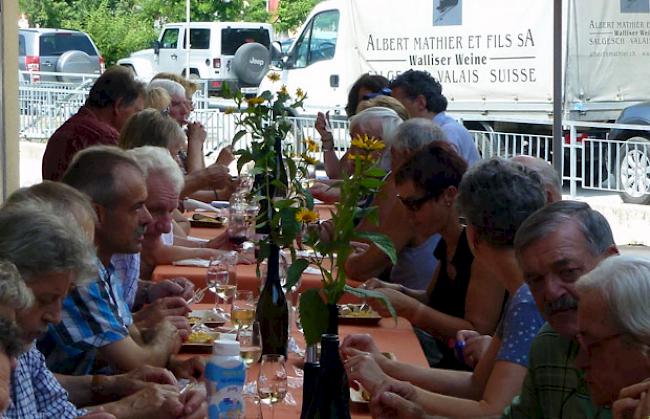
[(630, 223)]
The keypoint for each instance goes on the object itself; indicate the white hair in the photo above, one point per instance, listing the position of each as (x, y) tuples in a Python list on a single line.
[(417, 133), (624, 284), (172, 87), (389, 119), (157, 160)]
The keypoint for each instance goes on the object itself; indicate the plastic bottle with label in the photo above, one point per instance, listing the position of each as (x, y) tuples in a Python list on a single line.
[(225, 376)]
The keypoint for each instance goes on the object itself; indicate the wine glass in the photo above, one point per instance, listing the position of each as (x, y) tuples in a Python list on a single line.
[(250, 344), (242, 312), (237, 225), (219, 280), (272, 380)]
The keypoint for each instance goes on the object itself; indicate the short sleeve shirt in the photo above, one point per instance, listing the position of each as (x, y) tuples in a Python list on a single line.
[(36, 393), (518, 328), (81, 131), (458, 136), (94, 315)]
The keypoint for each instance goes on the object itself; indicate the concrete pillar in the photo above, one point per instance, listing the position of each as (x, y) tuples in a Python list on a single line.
[(9, 113)]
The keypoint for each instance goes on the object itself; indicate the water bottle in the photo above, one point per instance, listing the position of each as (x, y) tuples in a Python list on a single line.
[(225, 376)]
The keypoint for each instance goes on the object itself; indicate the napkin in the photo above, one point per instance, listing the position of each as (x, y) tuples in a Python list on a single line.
[(203, 263)]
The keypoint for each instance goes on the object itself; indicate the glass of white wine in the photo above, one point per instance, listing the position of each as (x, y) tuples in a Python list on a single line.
[(242, 312), (272, 380), (219, 280), (250, 344)]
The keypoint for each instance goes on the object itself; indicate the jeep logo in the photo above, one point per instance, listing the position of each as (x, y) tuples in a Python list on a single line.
[(256, 61)]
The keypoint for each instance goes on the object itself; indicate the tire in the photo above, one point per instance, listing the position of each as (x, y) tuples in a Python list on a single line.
[(76, 62), (634, 170), (251, 63)]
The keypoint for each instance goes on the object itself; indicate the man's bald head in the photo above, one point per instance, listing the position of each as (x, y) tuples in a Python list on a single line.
[(550, 178)]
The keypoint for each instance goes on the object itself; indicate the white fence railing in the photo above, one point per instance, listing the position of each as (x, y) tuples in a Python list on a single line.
[(590, 162)]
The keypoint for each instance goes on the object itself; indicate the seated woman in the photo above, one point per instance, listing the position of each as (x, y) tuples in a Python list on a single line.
[(461, 295), (496, 196), (377, 122), (362, 89)]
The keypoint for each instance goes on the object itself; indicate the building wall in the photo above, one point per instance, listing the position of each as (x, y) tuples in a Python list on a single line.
[(9, 113)]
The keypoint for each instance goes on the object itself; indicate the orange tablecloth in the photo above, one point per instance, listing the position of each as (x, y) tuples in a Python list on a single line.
[(246, 274), (398, 339)]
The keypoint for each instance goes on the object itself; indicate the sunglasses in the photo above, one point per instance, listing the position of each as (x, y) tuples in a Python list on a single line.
[(414, 204), (383, 92)]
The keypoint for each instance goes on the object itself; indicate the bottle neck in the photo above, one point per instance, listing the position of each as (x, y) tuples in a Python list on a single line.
[(273, 266)]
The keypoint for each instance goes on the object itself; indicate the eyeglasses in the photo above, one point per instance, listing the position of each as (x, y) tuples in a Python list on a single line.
[(383, 92), (588, 345), (414, 204)]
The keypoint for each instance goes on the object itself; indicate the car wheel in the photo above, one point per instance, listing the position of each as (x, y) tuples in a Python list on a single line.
[(634, 166), (251, 63)]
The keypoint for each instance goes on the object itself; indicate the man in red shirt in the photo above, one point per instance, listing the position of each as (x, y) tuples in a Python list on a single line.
[(114, 97)]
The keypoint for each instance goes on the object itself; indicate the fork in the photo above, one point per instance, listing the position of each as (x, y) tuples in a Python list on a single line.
[(198, 296)]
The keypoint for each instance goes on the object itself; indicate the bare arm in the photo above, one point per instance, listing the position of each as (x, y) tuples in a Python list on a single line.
[(484, 300), (196, 136), (373, 261), (132, 352)]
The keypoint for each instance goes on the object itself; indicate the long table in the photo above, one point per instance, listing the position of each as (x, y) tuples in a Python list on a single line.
[(398, 339)]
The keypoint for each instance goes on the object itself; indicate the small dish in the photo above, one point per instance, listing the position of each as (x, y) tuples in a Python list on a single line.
[(357, 400), (199, 341), (202, 220), (352, 314), (206, 317)]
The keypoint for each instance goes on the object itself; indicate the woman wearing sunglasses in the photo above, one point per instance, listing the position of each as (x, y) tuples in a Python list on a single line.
[(460, 295)]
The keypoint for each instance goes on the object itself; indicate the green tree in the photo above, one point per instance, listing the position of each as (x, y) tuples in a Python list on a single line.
[(292, 13)]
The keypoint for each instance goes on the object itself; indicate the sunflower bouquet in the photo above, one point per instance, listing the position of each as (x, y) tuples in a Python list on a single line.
[(317, 305)]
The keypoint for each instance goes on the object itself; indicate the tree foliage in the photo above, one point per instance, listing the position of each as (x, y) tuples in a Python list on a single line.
[(120, 27)]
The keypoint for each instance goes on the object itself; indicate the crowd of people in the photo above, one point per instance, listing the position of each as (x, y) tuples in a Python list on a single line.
[(520, 300)]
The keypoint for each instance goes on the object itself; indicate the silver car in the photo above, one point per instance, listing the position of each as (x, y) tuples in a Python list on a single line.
[(57, 51)]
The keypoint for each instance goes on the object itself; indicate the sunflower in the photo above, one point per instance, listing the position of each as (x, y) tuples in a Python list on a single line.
[(300, 93), (312, 146), (305, 215), (353, 156), (255, 101), (363, 142), (283, 90), (274, 77), (309, 159)]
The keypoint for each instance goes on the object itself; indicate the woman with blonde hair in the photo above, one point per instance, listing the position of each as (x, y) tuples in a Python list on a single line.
[(157, 98)]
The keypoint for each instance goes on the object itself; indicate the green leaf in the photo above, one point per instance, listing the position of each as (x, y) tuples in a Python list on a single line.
[(364, 293), (375, 171), (370, 183), (380, 240), (245, 156), (294, 272), (238, 136), (314, 315)]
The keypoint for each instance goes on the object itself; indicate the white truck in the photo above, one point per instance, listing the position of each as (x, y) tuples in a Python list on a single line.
[(237, 53), (494, 58)]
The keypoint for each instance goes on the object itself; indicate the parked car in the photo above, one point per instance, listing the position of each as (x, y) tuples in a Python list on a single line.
[(57, 51), (237, 53)]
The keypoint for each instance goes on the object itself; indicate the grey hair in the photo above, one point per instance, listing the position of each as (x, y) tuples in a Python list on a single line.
[(39, 242), (13, 291), (66, 200), (172, 87), (92, 171), (416, 133), (545, 170), (548, 220), (624, 284), (496, 196), (157, 160), (389, 119)]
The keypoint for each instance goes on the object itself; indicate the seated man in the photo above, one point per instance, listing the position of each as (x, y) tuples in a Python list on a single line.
[(614, 328), (52, 253), (96, 332)]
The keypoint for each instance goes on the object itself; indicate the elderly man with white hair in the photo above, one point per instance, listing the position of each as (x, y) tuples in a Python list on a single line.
[(614, 329)]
